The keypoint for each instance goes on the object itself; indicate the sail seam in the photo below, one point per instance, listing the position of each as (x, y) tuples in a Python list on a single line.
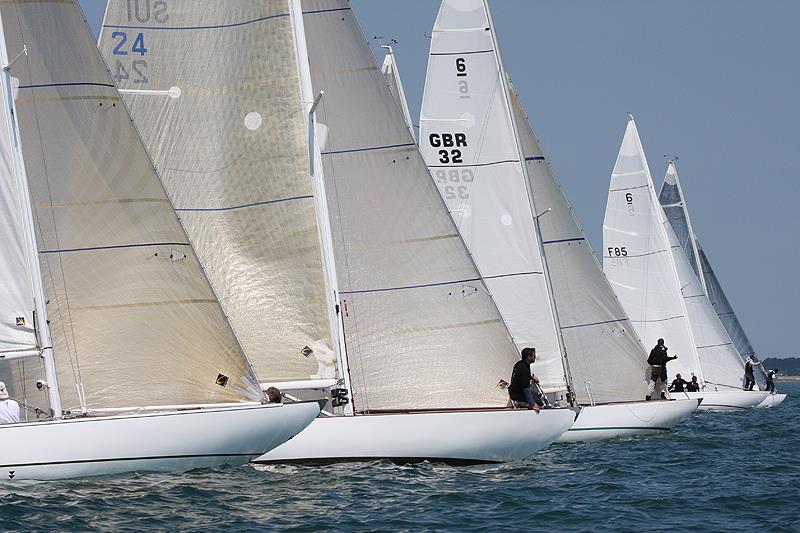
[(714, 345), (513, 274), (66, 84), (242, 206), (657, 320), (326, 10), (594, 323), (634, 256), (213, 27), (556, 241), (534, 158), (476, 164), (404, 287), (629, 188), (114, 247), (369, 149), (461, 53)]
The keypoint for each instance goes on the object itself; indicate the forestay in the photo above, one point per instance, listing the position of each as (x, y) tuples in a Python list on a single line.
[(214, 88), (604, 352), (637, 258), (467, 138), (133, 318), (421, 329)]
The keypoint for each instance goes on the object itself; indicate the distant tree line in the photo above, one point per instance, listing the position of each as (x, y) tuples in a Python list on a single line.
[(789, 366)]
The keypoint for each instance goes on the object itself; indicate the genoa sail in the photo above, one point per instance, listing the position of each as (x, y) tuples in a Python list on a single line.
[(606, 359), (215, 89), (133, 319), (467, 138), (421, 329)]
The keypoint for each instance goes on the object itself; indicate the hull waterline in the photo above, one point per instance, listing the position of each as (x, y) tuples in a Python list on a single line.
[(456, 437), (772, 400), (161, 441), (722, 401), (600, 422)]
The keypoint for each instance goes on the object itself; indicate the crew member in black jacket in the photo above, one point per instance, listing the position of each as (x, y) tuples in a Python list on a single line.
[(520, 387), (658, 368)]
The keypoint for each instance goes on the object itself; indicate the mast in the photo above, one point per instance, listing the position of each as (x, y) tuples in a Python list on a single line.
[(31, 250), (390, 70), (534, 214), (320, 198), (692, 237)]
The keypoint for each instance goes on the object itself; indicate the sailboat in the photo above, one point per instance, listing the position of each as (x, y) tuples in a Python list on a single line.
[(416, 345), (526, 241), (672, 200), (651, 275), (112, 340)]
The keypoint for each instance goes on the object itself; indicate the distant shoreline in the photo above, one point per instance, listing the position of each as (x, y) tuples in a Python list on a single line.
[(788, 378)]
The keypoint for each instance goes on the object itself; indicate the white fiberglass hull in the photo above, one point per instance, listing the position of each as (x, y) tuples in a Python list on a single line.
[(771, 401), (160, 441), (730, 400), (598, 422), (457, 437)]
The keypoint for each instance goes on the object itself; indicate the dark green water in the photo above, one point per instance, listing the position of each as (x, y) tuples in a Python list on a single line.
[(716, 472)]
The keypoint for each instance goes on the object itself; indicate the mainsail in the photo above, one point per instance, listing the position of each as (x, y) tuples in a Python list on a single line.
[(468, 140), (421, 329), (133, 319), (606, 358), (637, 258), (215, 90)]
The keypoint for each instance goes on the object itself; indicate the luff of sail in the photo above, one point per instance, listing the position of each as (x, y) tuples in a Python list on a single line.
[(606, 358), (467, 138), (637, 258), (232, 152), (421, 330), (133, 319)]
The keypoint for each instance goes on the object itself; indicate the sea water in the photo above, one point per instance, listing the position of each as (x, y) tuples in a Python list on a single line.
[(715, 472)]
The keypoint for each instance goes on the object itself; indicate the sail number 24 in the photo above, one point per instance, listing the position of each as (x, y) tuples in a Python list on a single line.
[(129, 49)]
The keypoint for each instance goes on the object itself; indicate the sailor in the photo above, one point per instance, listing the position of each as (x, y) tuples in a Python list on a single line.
[(658, 368), (9, 408), (693, 385), (678, 384), (770, 379), (274, 395), (749, 377), (519, 390)]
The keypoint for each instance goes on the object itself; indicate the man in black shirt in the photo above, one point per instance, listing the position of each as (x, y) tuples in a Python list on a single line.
[(520, 387), (749, 377), (678, 384), (658, 372), (771, 379), (693, 385)]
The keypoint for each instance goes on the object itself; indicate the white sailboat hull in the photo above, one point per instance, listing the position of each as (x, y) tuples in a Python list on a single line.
[(771, 401), (161, 441), (599, 422), (457, 437), (732, 400)]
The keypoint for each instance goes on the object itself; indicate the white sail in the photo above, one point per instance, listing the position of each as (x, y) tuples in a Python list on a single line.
[(216, 93), (606, 358), (674, 204), (637, 258), (132, 317), (467, 138), (392, 74), (719, 359), (421, 330)]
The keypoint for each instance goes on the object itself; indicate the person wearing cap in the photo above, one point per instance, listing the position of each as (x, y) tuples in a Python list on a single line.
[(693, 385), (658, 360), (9, 408), (520, 390), (771, 379), (749, 377)]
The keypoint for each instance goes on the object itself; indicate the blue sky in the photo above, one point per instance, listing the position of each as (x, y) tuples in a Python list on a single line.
[(713, 81)]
